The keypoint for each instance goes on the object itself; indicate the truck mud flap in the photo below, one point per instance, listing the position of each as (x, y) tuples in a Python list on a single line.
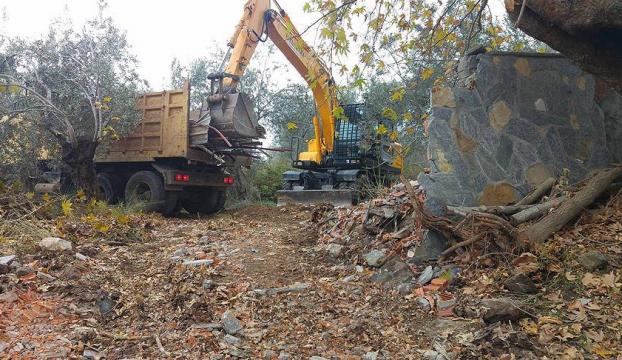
[(334, 197)]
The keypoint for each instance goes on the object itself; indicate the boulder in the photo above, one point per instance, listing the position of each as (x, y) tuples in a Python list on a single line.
[(55, 244), (232, 340), (593, 260), (393, 272), (5, 263), (432, 245)]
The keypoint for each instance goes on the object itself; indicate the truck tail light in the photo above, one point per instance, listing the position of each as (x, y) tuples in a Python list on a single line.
[(229, 180), (182, 177)]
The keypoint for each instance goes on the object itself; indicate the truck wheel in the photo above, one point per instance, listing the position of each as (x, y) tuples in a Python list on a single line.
[(105, 188), (145, 188), (205, 201)]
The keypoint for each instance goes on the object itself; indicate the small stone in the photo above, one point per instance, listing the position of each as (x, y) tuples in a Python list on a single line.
[(268, 354), (405, 288), (349, 278), (540, 105), (371, 355), (334, 250), (375, 258), (426, 275), (202, 262), (431, 355), (317, 358), (445, 304), (521, 284), (24, 270), (3, 346), (283, 356), (8, 297), (45, 277), (7, 260), (231, 324), (232, 340), (81, 257), (90, 354), (55, 244), (208, 284), (359, 269), (593, 260), (423, 304), (181, 252), (502, 310), (207, 326)]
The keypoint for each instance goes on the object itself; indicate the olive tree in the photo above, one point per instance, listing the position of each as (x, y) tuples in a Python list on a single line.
[(78, 85)]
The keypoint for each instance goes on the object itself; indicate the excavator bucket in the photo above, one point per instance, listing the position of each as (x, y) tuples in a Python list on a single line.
[(336, 197), (235, 117)]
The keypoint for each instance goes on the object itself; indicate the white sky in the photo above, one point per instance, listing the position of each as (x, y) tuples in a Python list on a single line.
[(158, 30)]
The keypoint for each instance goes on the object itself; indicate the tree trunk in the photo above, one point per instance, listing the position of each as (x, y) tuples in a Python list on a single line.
[(570, 208), (589, 32), (80, 163)]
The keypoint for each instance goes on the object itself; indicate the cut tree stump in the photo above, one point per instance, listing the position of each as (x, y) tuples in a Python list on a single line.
[(569, 209)]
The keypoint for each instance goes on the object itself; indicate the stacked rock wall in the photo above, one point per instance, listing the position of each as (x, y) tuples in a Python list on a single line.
[(514, 120)]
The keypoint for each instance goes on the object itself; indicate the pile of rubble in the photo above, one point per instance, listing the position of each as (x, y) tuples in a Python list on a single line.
[(516, 263)]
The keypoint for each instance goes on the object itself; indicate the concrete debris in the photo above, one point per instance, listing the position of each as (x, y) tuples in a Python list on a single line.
[(202, 262), (283, 356), (405, 288), (55, 244), (81, 257), (208, 284), (6, 260), (371, 355)]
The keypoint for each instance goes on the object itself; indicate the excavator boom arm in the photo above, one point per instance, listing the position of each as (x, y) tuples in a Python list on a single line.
[(259, 20)]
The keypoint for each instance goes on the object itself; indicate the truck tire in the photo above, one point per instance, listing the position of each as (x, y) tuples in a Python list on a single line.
[(204, 201), (107, 191), (147, 189)]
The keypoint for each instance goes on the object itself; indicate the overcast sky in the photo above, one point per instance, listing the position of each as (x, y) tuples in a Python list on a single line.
[(158, 30)]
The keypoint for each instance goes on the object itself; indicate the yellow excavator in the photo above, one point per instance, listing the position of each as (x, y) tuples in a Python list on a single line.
[(335, 166)]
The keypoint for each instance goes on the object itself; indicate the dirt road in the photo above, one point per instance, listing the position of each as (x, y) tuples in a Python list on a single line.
[(283, 297)]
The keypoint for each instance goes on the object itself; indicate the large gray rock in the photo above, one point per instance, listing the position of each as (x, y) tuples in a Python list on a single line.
[(55, 244), (5, 262), (393, 272), (431, 247)]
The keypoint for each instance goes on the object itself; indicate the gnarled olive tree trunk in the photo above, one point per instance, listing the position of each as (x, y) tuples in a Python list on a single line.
[(79, 161), (589, 32)]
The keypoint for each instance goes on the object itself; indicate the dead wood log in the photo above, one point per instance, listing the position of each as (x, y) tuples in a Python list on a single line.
[(456, 246), (497, 210), (538, 192), (570, 208), (535, 211)]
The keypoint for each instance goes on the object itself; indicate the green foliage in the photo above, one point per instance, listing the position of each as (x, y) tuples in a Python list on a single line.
[(268, 178)]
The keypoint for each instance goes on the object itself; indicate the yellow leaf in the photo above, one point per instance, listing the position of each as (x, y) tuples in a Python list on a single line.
[(102, 227), (427, 73), (107, 99), (67, 207), (529, 326), (407, 116), (46, 197), (81, 195), (398, 94), (382, 129), (389, 113), (123, 219), (603, 351), (393, 135), (291, 126)]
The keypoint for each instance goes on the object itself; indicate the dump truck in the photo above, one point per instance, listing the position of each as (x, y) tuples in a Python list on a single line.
[(177, 159)]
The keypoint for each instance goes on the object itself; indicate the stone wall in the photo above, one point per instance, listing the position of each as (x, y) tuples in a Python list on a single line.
[(514, 120)]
